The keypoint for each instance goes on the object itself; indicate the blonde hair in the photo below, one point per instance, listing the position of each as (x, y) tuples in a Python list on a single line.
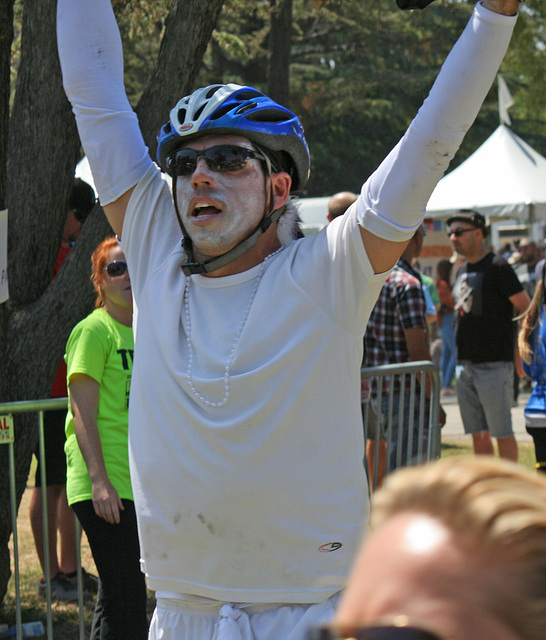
[(499, 510), (530, 320)]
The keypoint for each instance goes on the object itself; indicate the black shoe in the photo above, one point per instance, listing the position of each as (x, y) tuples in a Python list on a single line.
[(90, 583), (61, 588)]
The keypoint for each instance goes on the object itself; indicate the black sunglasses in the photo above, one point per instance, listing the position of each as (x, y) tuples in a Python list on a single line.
[(459, 232), (376, 632), (222, 158), (116, 268)]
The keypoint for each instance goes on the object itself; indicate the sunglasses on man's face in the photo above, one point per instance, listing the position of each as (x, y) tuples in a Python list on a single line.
[(222, 158), (375, 632), (459, 232), (116, 268)]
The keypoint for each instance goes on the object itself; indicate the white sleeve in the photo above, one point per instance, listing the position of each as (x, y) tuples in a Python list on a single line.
[(91, 58), (393, 200)]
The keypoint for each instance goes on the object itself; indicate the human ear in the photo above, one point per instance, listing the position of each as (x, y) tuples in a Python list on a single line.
[(282, 184)]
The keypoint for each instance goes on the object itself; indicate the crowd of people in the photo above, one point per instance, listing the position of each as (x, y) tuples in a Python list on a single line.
[(481, 305), (86, 449), (233, 483), (61, 538)]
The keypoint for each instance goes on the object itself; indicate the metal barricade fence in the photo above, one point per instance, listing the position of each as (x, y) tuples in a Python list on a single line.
[(401, 425), (6, 412), (397, 439)]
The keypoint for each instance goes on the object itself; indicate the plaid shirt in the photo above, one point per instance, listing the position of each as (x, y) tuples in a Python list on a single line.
[(401, 305)]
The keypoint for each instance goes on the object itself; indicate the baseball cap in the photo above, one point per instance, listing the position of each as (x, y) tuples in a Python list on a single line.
[(472, 217)]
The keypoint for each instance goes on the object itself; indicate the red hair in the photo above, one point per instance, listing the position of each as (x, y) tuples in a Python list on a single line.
[(99, 260)]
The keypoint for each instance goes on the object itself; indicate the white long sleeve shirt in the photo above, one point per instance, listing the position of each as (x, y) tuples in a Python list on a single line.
[(263, 499)]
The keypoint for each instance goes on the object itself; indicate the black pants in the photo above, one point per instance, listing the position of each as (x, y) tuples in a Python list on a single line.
[(120, 610), (55, 457), (539, 438)]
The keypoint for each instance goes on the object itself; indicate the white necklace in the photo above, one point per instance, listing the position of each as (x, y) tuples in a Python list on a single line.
[(229, 362)]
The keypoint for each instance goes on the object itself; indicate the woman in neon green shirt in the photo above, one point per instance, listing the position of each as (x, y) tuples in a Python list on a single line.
[(99, 357)]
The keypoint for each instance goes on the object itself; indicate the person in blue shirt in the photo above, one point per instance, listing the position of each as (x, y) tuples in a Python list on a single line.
[(532, 346)]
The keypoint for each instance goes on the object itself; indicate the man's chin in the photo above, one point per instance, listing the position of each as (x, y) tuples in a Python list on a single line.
[(209, 253)]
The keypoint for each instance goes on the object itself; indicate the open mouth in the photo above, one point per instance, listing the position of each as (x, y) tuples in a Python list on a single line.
[(204, 210)]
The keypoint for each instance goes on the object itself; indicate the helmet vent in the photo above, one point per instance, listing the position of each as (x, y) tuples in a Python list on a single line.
[(181, 115), (212, 91), (249, 94), (269, 115), (219, 113), (246, 107), (199, 112)]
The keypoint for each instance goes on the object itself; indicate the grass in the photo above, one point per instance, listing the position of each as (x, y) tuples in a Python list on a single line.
[(65, 616), (461, 448)]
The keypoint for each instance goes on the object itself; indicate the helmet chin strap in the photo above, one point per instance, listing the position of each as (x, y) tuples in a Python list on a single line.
[(208, 266)]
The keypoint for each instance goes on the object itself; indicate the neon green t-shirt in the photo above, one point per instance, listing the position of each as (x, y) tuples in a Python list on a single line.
[(102, 348)]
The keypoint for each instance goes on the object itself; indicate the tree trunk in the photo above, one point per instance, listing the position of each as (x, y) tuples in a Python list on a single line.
[(6, 38), (280, 37), (42, 150), (187, 32)]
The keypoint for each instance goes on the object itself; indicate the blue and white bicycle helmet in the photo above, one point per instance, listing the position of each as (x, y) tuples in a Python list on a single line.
[(233, 109)]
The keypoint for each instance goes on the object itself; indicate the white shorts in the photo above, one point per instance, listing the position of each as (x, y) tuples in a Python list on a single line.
[(174, 620)]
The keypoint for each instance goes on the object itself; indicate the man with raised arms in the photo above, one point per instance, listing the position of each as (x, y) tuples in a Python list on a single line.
[(246, 441)]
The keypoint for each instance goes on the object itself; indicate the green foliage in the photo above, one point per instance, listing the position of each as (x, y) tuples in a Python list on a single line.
[(140, 17), (238, 49), (524, 70), (366, 72), (16, 45), (232, 46), (525, 62), (359, 71), (141, 24)]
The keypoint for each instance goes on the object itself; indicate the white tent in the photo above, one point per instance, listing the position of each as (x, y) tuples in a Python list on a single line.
[(83, 171), (504, 178)]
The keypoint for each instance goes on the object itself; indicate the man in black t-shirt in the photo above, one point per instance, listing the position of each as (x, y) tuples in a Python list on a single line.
[(486, 292)]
